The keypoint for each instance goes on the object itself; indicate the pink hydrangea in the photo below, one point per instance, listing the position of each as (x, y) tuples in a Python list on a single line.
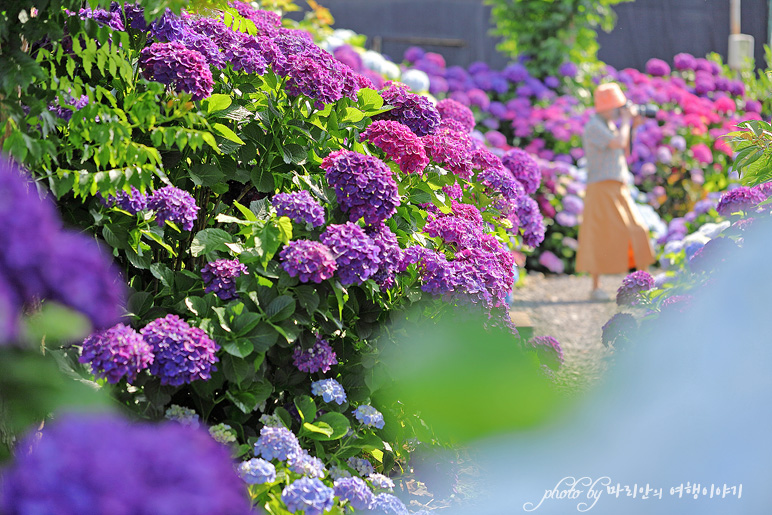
[(399, 143)]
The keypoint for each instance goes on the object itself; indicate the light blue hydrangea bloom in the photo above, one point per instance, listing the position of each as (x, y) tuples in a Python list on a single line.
[(223, 433), (369, 416), (185, 416), (257, 471), (309, 495), (381, 481), (277, 442), (306, 464), (361, 465), (330, 390), (355, 491)]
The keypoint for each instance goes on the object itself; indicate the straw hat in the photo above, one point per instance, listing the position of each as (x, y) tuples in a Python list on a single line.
[(609, 96)]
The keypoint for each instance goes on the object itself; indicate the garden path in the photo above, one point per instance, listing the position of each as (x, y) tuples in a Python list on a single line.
[(560, 306)]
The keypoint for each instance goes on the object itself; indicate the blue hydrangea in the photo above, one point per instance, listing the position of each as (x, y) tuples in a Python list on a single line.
[(387, 504), (300, 207), (277, 442), (182, 415), (361, 465), (309, 495), (257, 471), (305, 464), (380, 481), (337, 472), (330, 390), (174, 205), (355, 491), (223, 433), (116, 353), (369, 416)]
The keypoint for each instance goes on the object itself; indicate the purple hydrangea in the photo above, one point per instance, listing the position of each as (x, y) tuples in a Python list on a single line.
[(390, 254), (330, 390), (549, 351), (684, 61), (363, 185), (309, 495), (415, 111), (399, 143), (320, 357), (174, 205), (452, 149), (116, 353), (355, 491), (524, 168), (267, 22), (388, 504), (175, 65), (531, 221), (381, 482), (71, 105), (109, 18), (357, 255), (619, 328), (169, 27), (739, 199), (676, 304), (369, 416), (361, 465), (135, 15), (257, 471), (101, 463), (453, 110), (501, 180), (300, 207), (183, 354), (277, 442), (437, 274), (657, 67), (308, 261), (457, 230), (632, 285), (132, 201), (568, 69), (220, 277)]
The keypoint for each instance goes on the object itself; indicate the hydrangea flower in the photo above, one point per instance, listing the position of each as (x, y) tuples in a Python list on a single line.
[(116, 353), (220, 277), (453, 229), (330, 390), (169, 27), (309, 495), (355, 491), (415, 111), (356, 253), (549, 351), (174, 205), (451, 149), (739, 199), (454, 110), (72, 104), (320, 357), (380, 481), (676, 303), (363, 185), (399, 143), (300, 207), (390, 254), (135, 15), (437, 274), (175, 65), (531, 221), (222, 433), (620, 327), (369, 416), (132, 201), (83, 464), (524, 168), (684, 61), (307, 465), (183, 354), (277, 442), (110, 18), (388, 504), (308, 260), (568, 69), (182, 415), (271, 420), (632, 285), (361, 465), (501, 180), (257, 471), (337, 472), (657, 67)]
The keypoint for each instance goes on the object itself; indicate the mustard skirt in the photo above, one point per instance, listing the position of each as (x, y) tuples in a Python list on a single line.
[(612, 237)]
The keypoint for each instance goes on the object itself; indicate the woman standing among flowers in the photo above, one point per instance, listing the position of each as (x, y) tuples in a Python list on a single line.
[(612, 237)]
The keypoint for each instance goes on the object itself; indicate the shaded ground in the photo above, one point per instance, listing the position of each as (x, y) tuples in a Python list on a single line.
[(560, 306)]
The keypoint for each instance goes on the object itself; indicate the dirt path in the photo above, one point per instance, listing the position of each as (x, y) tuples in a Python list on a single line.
[(560, 306)]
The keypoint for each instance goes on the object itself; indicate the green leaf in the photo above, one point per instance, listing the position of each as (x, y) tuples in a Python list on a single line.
[(237, 370), (307, 297), (217, 102), (239, 347), (263, 336), (419, 197), (163, 273), (294, 154), (248, 401), (263, 180), (209, 240), (318, 430), (338, 422), (197, 306), (369, 99), (280, 308), (227, 133), (306, 407), (352, 115), (205, 174)]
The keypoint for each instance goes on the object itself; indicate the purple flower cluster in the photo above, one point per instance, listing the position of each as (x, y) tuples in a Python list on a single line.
[(454, 229), (330, 390), (309, 495), (116, 353), (103, 464), (169, 27), (501, 180), (135, 15), (415, 111), (174, 205), (300, 207), (452, 149), (549, 351), (356, 254), (318, 358), (450, 109), (257, 471), (363, 185), (277, 442), (220, 277), (684, 61), (531, 221), (524, 168), (389, 252), (355, 491), (132, 201), (632, 285), (369, 416), (111, 18), (174, 64), (267, 22), (739, 199), (657, 67), (399, 143), (619, 328), (308, 260), (183, 354), (437, 274), (65, 111)]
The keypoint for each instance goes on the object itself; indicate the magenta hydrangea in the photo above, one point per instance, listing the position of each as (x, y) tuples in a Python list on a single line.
[(319, 358), (657, 67), (100, 463), (741, 198), (524, 168), (453, 229), (500, 180), (363, 185), (356, 254), (629, 292), (174, 205), (549, 351), (116, 353), (175, 65), (399, 143), (684, 61), (168, 27), (451, 149), (183, 354), (220, 277), (308, 260), (300, 207), (415, 111), (266, 22), (453, 110)]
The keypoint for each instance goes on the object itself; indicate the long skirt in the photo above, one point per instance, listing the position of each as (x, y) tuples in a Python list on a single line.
[(612, 238)]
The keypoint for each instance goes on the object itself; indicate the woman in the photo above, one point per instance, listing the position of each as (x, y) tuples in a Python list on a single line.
[(612, 238)]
